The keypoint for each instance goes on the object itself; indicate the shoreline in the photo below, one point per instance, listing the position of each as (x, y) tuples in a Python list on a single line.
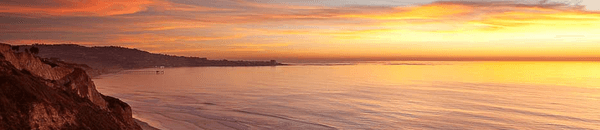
[(144, 125)]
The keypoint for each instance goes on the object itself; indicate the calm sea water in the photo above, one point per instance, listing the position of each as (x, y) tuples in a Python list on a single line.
[(373, 95)]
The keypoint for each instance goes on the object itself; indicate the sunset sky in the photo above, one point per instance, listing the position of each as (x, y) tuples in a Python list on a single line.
[(306, 29)]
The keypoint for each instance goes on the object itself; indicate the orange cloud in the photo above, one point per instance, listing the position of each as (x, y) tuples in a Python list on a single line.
[(244, 49), (434, 13), (153, 38), (430, 11), (459, 17), (50, 29), (553, 19), (184, 50), (161, 25), (166, 5), (275, 6), (144, 25), (92, 7), (45, 41), (259, 45), (75, 8)]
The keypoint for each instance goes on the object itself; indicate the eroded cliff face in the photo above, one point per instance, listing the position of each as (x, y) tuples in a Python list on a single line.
[(40, 94), (32, 63)]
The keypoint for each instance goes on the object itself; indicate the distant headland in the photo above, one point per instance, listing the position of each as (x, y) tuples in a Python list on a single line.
[(110, 59)]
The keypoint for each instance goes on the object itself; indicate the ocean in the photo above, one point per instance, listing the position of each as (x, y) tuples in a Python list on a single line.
[(365, 95)]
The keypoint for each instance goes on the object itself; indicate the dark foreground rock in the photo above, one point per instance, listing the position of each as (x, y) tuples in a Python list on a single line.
[(42, 94)]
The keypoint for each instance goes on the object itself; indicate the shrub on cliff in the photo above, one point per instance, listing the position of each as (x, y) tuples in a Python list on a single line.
[(15, 48), (34, 50)]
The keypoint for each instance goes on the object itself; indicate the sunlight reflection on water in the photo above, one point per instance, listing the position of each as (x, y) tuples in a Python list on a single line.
[(374, 95)]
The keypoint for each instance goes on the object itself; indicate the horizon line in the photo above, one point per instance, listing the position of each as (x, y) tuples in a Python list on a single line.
[(400, 58)]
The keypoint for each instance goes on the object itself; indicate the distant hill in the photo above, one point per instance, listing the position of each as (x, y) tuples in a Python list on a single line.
[(108, 59)]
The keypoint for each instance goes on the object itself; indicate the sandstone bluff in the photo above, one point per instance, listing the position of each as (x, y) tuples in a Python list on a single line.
[(38, 93)]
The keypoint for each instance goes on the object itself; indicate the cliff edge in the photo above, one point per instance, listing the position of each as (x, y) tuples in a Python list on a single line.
[(43, 94)]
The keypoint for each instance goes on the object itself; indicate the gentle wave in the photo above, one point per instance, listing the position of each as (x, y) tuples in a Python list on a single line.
[(370, 96)]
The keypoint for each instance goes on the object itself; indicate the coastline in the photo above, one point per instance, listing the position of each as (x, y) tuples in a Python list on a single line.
[(144, 125), (140, 121)]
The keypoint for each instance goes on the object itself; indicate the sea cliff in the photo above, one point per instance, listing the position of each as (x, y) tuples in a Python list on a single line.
[(38, 93)]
